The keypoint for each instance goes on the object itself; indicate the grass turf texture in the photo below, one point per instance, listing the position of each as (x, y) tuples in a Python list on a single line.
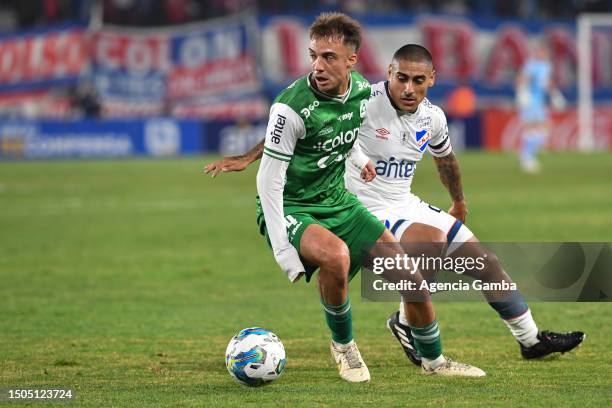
[(125, 280)]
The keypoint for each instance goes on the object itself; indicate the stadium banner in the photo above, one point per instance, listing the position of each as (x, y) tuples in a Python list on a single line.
[(502, 129), (465, 132), (42, 58), (97, 139), (484, 54), (542, 271), (148, 71), (230, 138)]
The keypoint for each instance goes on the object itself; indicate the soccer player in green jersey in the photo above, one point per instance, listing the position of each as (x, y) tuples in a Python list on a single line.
[(308, 217)]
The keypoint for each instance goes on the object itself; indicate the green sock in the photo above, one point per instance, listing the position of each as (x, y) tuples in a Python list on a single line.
[(340, 321), (427, 340)]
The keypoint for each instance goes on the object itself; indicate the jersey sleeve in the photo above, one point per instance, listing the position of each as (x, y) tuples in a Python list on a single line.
[(439, 144), (357, 157), (284, 129)]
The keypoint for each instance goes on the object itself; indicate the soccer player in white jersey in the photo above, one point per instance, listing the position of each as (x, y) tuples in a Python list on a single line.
[(400, 124)]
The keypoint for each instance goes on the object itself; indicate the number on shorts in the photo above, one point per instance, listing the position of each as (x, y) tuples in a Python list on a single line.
[(436, 209)]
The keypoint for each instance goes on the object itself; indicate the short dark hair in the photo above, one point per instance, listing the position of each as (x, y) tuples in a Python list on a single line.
[(413, 52), (337, 25)]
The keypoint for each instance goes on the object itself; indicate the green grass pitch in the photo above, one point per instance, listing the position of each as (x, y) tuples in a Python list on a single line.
[(125, 280)]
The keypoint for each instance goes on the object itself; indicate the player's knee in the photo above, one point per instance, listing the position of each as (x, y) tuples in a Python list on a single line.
[(340, 258), (490, 260), (337, 260), (491, 269)]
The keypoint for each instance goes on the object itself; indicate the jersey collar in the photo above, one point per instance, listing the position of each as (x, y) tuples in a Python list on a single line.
[(337, 98), (399, 111)]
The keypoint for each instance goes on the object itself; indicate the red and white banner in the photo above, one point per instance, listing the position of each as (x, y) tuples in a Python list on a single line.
[(34, 59), (487, 54), (502, 129), (156, 69)]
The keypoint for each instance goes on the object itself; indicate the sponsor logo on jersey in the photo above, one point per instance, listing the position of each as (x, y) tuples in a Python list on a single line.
[(325, 131), (277, 132), (424, 122), (363, 108), (346, 116), (361, 85), (343, 138), (382, 133), (307, 110), (393, 168), (422, 138), (375, 93), (328, 160)]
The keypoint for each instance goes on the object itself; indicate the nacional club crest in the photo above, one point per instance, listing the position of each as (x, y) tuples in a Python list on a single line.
[(422, 138)]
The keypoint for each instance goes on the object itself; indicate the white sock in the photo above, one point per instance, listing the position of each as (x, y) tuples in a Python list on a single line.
[(433, 364), (524, 329), (402, 314)]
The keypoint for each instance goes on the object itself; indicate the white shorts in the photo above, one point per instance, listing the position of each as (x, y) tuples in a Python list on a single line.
[(398, 218)]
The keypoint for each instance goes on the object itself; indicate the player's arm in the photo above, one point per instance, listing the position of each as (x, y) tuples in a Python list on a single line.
[(448, 166), (285, 127), (450, 175), (357, 158), (235, 163)]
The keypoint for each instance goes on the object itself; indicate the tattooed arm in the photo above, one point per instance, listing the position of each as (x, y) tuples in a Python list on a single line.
[(450, 175), (235, 163)]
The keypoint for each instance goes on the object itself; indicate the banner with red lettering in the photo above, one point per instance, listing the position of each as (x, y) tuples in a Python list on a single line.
[(150, 71), (502, 129), (37, 59), (485, 55)]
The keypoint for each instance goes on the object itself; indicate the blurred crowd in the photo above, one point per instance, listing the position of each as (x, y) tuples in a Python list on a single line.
[(28, 13), (523, 9)]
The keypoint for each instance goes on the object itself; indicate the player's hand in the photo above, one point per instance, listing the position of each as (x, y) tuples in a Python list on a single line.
[(368, 172), (289, 261), (459, 210), (226, 164)]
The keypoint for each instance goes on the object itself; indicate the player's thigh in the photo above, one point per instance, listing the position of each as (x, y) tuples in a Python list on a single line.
[(455, 232), (418, 232), (424, 239), (321, 247), (424, 223), (359, 230)]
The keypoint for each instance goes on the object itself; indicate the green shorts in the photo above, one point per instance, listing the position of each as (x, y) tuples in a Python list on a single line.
[(354, 225)]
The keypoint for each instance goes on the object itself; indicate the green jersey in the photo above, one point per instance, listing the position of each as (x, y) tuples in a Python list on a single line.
[(314, 133)]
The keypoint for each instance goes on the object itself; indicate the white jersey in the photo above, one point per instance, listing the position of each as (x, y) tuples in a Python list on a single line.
[(395, 141)]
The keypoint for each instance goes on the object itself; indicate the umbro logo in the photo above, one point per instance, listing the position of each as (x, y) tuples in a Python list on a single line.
[(382, 133)]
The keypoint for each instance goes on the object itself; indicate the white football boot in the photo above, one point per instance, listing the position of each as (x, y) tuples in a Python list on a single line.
[(349, 361), (452, 368)]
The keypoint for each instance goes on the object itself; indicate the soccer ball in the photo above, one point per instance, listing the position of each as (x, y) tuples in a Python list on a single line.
[(255, 356)]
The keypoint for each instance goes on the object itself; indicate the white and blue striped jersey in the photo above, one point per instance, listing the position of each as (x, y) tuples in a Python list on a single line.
[(395, 141)]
